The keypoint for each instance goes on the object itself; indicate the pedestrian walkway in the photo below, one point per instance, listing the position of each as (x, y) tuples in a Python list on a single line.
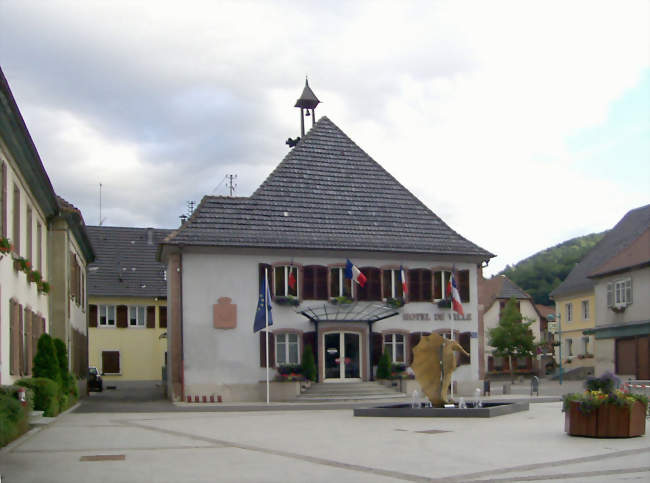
[(317, 446)]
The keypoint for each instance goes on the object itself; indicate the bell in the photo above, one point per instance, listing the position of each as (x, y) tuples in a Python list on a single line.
[(307, 113)]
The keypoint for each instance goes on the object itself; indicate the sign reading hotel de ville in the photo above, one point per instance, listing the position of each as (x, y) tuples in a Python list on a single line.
[(436, 316)]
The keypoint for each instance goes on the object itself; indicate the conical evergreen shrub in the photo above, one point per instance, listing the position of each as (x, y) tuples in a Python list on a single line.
[(308, 364), (46, 363), (62, 358), (384, 366)]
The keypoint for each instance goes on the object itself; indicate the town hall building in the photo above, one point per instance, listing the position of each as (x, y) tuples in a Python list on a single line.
[(325, 203)]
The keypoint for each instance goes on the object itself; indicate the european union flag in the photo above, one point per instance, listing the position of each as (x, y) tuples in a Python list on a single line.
[(262, 302)]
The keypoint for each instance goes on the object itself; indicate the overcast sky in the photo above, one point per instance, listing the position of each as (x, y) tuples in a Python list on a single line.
[(521, 124)]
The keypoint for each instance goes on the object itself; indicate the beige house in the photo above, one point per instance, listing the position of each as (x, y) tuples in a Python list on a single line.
[(494, 293)]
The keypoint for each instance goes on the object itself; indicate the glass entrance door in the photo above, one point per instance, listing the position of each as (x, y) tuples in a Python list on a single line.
[(342, 356)]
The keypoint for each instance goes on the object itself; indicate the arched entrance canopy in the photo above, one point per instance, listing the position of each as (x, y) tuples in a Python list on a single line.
[(356, 312)]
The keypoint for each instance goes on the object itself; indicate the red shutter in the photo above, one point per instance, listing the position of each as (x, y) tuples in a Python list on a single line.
[(308, 289), (151, 317), (13, 335), (263, 349), (261, 268), (21, 342), (162, 314), (309, 339), (372, 289), (122, 317), (92, 315), (320, 283), (29, 348)]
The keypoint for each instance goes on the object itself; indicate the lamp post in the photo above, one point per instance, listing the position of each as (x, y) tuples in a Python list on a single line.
[(558, 328)]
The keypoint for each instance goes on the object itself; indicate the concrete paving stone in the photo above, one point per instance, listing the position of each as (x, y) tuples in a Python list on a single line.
[(319, 445)]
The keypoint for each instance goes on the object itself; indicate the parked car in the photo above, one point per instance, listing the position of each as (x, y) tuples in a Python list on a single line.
[(95, 382)]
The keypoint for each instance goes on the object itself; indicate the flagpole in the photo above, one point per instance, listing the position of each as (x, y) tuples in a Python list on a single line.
[(266, 315), (453, 320)]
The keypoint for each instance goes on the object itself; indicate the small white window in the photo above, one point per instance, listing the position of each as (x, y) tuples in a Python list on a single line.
[(569, 312), (106, 316), (394, 345), (287, 350), (339, 285), (585, 310), (619, 293), (285, 280), (136, 315)]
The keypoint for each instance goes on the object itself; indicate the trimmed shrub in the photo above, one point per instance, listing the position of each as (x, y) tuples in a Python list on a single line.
[(308, 364), (46, 363), (384, 367), (46, 394), (14, 417)]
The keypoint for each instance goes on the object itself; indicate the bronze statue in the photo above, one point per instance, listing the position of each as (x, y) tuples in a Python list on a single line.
[(434, 362)]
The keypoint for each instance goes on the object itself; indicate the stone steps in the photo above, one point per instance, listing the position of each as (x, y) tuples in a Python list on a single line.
[(349, 392)]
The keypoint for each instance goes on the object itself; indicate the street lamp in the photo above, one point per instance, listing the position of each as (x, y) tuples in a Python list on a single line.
[(557, 327)]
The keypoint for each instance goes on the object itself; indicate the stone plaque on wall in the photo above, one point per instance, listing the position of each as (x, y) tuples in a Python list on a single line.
[(224, 314)]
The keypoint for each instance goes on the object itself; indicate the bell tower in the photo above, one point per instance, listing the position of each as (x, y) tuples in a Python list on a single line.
[(307, 102)]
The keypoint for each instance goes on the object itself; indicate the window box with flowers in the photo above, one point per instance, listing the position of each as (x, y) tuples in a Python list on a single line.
[(604, 411), (444, 304), (43, 287), (395, 302), (34, 276), (21, 264), (342, 300), (5, 245), (288, 300)]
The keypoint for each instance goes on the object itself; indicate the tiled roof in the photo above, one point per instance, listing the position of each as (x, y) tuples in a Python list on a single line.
[(327, 193), (75, 220), (626, 231), (498, 287), (125, 264), (637, 254)]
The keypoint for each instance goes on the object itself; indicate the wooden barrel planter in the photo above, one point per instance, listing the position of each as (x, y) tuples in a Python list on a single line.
[(607, 421)]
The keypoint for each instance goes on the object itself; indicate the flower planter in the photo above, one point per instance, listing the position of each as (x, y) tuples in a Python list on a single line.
[(607, 421)]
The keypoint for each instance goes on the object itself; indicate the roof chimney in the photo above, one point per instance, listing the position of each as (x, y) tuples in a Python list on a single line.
[(149, 236)]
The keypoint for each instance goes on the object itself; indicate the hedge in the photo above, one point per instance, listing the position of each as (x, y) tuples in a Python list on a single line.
[(14, 417), (47, 395)]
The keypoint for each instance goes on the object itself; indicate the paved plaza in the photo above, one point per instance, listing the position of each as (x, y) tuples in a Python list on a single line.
[(321, 444)]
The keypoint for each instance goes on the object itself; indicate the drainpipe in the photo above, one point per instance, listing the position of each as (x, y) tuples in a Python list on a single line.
[(372, 377), (316, 342)]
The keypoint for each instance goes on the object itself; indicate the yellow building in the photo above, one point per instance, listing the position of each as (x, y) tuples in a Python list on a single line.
[(575, 309), (127, 293)]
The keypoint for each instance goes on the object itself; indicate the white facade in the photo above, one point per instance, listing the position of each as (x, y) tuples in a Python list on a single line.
[(226, 362), (13, 283)]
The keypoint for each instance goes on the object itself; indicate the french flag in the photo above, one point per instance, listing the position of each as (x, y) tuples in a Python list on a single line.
[(354, 274), (402, 278), (452, 289)]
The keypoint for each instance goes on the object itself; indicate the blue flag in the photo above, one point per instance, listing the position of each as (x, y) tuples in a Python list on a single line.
[(262, 303)]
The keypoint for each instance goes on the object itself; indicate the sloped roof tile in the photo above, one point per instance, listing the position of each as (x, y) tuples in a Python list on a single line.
[(327, 193), (125, 263), (628, 229)]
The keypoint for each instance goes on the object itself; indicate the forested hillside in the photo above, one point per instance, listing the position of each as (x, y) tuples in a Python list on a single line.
[(539, 274)]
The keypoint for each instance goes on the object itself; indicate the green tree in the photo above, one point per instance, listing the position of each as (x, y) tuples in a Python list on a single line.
[(512, 337), (46, 363), (62, 357), (308, 364)]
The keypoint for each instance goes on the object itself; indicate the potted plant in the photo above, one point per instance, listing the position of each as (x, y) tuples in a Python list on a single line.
[(34, 276), (604, 411)]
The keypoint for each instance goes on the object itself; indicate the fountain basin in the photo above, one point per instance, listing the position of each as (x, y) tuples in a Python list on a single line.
[(488, 410)]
